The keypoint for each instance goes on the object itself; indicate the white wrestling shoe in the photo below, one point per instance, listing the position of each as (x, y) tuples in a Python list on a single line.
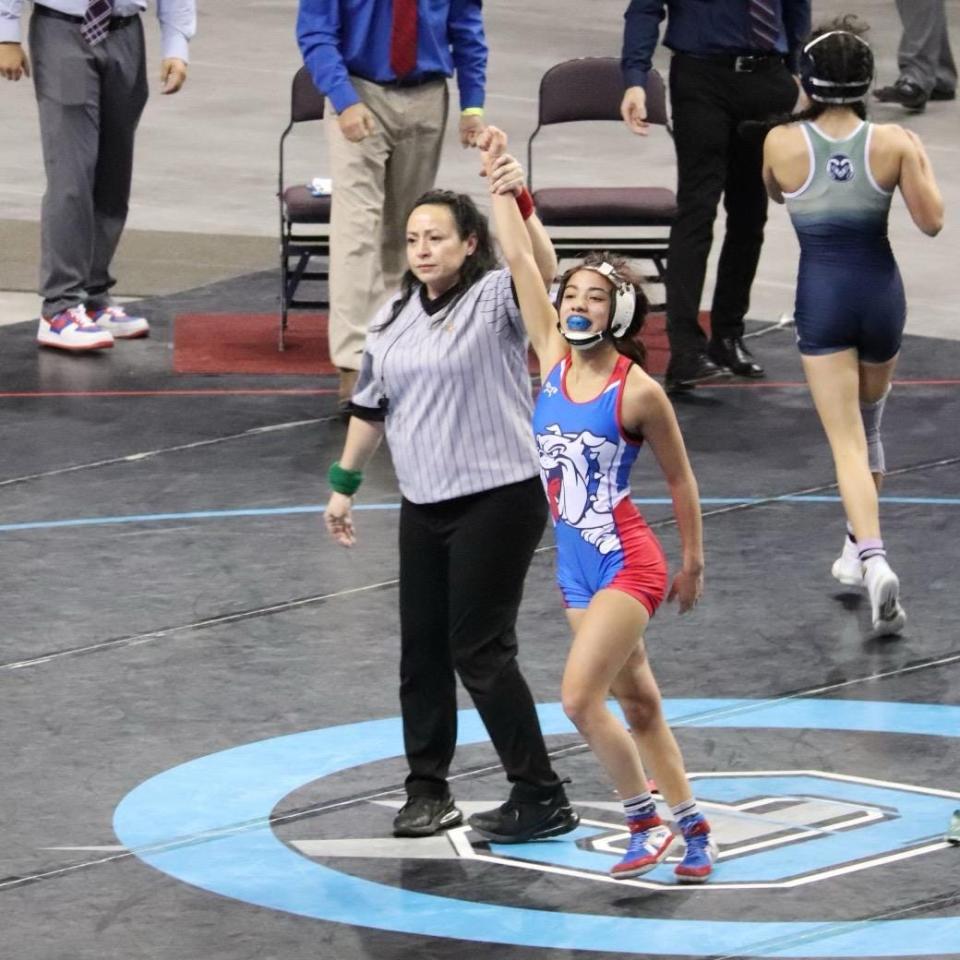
[(883, 586), (847, 567)]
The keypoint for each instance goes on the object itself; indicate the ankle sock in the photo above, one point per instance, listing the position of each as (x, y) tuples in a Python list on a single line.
[(685, 809), (641, 807), (870, 549)]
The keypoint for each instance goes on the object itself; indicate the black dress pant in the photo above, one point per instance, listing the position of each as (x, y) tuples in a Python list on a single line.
[(709, 100), (462, 567)]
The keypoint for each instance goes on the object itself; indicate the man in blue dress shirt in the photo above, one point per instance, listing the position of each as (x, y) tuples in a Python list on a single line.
[(89, 67), (733, 60), (383, 66)]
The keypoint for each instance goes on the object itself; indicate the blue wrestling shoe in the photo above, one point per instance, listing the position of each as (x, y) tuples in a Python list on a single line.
[(650, 842), (701, 853)]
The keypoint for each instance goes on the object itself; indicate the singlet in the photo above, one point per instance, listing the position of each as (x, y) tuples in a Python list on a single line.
[(849, 291), (840, 203), (585, 459)]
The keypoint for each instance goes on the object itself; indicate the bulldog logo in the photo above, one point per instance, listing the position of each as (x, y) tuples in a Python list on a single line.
[(574, 465)]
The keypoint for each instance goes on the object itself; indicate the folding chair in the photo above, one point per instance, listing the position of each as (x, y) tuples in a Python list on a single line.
[(638, 219), (299, 208)]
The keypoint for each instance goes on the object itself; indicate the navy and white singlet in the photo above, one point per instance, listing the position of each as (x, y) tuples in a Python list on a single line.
[(585, 460), (849, 291)]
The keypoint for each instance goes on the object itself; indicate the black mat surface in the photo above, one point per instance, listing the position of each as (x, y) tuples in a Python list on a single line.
[(169, 594)]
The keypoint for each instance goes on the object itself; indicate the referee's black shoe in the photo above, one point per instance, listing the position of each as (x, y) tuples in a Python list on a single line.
[(425, 816), (686, 370), (730, 352), (519, 821)]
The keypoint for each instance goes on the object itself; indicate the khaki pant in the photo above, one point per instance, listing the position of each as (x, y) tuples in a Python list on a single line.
[(375, 182)]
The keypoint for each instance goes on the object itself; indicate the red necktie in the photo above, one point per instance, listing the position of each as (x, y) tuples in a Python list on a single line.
[(403, 37)]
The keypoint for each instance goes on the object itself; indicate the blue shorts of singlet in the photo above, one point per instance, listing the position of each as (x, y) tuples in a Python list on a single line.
[(638, 567), (850, 301)]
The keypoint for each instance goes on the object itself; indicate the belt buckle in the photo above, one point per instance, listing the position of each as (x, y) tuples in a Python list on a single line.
[(744, 64)]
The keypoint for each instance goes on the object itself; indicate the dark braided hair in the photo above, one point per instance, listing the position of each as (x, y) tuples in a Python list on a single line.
[(630, 344), (844, 58), (469, 221)]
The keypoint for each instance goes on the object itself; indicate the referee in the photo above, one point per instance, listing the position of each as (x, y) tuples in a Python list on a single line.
[(444, 376)]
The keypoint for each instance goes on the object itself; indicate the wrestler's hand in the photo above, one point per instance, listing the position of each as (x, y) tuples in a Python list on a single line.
[(338, 519), (14, 62), (491, 140), (356, 122), (173, 74), (686, 590)]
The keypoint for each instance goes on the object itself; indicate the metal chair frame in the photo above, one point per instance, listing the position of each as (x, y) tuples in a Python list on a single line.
[(306, 104)]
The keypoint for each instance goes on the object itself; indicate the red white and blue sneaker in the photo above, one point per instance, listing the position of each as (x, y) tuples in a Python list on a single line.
[(73, 330), (650, 842), (117, 322), (701, 852)]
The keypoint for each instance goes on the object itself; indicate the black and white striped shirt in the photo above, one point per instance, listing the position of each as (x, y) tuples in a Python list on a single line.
[(455, 389)]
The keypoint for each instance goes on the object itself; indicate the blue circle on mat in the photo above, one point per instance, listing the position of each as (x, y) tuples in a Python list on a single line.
[(206, 822)]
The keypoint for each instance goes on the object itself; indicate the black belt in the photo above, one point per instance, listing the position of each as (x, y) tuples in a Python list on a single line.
[(115, 23), (741, 63), (419, 80)]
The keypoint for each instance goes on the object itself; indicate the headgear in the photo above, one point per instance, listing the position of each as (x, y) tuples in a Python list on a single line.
[(623, 305), (821, 90)]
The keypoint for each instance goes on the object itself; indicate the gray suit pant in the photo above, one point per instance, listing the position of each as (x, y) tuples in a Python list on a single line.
[(924, 55), (90, 100)]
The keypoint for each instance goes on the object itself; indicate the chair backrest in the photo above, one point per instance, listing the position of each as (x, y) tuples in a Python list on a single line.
[(591, 88), (306, 101)]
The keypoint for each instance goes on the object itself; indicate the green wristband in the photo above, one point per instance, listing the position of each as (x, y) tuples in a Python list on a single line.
[(344, 481)]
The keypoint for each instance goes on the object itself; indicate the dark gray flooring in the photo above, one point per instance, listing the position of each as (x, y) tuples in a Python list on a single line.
[(132, 646)]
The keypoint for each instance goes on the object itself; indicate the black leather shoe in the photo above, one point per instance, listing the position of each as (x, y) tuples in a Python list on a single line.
[(686, 370), (730, 352), (904, 92), (425, 816), (942, 94)]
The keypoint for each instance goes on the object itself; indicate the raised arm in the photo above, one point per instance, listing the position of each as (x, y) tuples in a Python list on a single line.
[(647, 412), (506, 176), (919, 186), (519, 244)]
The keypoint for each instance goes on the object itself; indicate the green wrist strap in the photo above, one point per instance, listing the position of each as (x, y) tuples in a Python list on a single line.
[(344, 481)]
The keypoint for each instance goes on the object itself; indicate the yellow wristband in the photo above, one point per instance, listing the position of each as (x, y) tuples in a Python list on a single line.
[(472, 112)]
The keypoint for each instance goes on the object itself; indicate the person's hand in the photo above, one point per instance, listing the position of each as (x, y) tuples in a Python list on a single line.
[(492, 141), (14, 63), (633, 109), (686, 589), (356, 122), (471, 126), (338, 519), (506, 175), (173, 74)]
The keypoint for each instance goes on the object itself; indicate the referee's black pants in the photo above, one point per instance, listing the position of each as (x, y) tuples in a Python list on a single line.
[(462, 566), (709, 100)]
